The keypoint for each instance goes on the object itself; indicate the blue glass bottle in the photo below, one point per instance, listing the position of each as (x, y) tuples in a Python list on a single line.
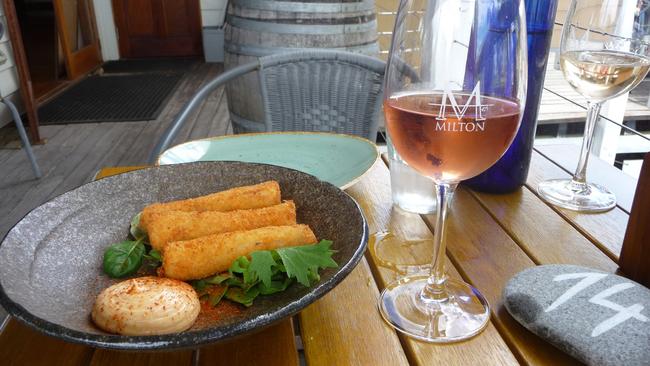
[(510, 172)]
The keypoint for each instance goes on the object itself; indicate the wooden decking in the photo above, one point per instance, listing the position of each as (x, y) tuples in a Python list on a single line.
[(562, 104), (73, 153)]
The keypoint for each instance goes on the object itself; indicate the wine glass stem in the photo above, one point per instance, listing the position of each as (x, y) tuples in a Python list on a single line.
[(580, 177), (435, 290)]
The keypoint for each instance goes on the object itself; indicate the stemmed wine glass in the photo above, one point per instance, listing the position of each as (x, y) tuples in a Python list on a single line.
[(454, 94), (603, 54)]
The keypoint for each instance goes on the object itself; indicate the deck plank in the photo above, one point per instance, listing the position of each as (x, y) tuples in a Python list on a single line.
[(71, 173), (20, 180), (16, 169), (153, 130), (74, 153), (207, 117), (221, 121)]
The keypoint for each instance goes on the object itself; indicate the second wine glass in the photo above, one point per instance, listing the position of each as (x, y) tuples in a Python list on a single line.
[(603, 54), (454, 94)]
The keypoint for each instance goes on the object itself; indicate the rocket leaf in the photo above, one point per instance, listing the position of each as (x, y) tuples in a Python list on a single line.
[(268, 272), (304, 262)]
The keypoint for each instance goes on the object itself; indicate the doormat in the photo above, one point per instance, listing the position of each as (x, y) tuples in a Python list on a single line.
[(149, 65), (111, 98)]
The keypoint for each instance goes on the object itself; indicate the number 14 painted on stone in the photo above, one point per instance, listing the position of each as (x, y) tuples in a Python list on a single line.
[(588, 279)]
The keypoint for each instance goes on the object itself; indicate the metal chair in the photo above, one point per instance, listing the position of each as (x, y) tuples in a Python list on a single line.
[(23, 136), (315, 90)]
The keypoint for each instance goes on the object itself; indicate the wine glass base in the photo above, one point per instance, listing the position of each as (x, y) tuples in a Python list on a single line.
[(462, 315), (564, 193)]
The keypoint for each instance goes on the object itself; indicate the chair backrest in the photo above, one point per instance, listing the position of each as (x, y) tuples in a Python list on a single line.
[(315, 90), (322, 90)]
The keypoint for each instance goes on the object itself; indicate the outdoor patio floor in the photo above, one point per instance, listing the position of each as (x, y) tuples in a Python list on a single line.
[(73, 153)]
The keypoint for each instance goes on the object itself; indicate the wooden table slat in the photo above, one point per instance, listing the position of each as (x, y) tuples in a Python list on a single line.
[(103, 357), (543, 234), (605, 229), (21, 345), (107, 172), (344, 327), (273, 346), (373, 195), (486, 256)]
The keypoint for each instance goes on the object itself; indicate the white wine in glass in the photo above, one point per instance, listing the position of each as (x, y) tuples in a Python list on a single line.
[(603, 54), (601, 75)]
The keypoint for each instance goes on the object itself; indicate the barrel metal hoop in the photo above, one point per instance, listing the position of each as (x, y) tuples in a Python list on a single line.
[(268, 27), (371, 48), (300, 7)]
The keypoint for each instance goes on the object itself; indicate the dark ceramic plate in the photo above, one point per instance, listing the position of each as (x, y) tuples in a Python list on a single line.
[(50, 262)]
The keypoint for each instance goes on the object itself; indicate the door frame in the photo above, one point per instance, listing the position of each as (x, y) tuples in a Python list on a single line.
[(85, 60), (20, 60)]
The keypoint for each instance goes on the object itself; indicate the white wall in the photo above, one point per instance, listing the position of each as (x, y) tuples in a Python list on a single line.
[(8, 75), (106, 28), (213, 12)]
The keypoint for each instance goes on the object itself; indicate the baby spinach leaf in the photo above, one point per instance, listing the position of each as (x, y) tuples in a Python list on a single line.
[(123, 259)]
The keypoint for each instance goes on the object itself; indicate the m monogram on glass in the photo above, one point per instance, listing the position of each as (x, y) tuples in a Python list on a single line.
[(454, 93)]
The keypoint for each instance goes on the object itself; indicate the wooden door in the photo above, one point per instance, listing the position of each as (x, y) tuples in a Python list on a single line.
[(78, 36), (158, 28)]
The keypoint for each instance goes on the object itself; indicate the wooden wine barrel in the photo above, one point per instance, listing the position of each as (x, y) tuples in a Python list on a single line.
[(256, 28)]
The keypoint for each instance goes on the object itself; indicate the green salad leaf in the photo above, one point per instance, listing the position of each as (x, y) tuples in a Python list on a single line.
[(217, 295), (245, 298), (303, 262), (154, 256), (268, 272), (124, 258), (261, 267), (135, 230)]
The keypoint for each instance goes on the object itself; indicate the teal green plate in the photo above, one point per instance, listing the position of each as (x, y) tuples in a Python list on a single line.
[(335, 158)]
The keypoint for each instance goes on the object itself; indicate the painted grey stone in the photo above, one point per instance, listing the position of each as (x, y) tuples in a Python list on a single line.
[(597, 317), (50, 262)]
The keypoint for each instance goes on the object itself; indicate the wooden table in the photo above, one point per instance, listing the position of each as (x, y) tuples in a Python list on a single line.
[(491, 238)]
